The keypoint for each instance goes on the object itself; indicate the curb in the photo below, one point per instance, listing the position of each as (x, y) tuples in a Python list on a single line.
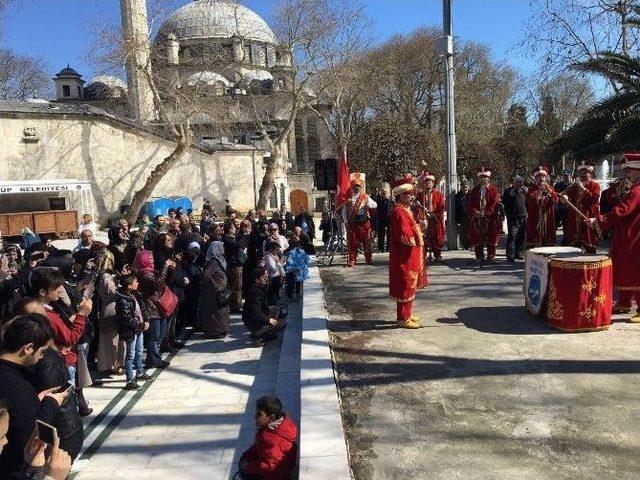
[(323, 448)]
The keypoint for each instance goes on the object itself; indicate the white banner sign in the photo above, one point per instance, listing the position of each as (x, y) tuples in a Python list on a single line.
[(535, 281), (42, 188)]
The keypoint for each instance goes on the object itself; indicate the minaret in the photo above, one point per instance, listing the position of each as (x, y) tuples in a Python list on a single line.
[(135, 32)]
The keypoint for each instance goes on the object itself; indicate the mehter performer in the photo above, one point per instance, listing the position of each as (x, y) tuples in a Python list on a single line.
[(356, 215), (430, 207), (482, 210), (584, 194), (541, 202), (407, 272), (624, 221)]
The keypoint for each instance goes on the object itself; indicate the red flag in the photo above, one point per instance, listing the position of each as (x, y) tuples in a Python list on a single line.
[(342, 193)]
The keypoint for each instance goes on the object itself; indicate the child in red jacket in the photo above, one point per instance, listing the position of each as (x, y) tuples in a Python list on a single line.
[(273, 455)]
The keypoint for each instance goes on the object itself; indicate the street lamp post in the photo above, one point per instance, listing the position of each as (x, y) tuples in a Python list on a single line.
[(452, 173)]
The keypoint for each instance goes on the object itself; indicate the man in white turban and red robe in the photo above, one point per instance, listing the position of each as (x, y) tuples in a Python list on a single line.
[(484, 218), (624, 221), (541, 219), (407, 272), (584, 194), (430, 207), (356, 215)]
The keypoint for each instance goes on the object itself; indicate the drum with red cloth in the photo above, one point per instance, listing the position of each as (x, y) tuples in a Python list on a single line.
[(580, 290)]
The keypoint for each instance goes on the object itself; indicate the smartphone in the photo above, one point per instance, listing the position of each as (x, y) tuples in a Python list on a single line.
[(46, 432), (66, 388)]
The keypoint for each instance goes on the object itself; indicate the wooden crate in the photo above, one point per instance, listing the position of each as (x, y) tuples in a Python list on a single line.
[(66, 221), (54, 221), (16, 222), (44, 222)]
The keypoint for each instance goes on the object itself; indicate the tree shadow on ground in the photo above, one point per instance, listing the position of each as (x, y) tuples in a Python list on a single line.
[(371, 367), (507, 320), (361, 325)]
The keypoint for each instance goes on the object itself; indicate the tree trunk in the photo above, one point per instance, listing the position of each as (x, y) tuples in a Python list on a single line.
[(269, 178), (158, 173)]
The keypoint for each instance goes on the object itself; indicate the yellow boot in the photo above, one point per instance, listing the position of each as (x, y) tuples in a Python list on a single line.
[(415, 319), (410, 324)]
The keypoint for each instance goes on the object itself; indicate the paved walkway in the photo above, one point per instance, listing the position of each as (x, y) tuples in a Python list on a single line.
[(485, 391), (195, 418)]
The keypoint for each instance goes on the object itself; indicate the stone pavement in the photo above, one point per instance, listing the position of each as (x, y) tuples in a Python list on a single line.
[(485, 390), (195, 418)]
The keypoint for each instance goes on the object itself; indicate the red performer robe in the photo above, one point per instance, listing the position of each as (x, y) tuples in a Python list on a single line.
[(435, 235), (407, 272), (486, 230), (588, 202), (541, 218), (624, 220)]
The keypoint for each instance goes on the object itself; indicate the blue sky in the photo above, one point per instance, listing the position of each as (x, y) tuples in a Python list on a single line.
[(59, 31)]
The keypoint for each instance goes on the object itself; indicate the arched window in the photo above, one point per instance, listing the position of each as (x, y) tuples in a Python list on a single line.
[(273, 199), (282, 195)]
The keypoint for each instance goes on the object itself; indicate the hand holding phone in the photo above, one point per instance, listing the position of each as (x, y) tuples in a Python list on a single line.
[(47, 433)]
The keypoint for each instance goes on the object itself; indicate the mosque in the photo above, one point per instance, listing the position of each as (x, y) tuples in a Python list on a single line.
[(96, 142)]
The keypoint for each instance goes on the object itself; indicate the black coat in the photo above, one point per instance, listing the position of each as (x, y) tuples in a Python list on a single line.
[(17, 390), (128, 326), (255, 313), (235, 250), (51, 372), (310, 223)]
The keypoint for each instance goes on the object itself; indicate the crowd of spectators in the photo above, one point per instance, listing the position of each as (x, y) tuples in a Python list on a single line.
[(71, 318)]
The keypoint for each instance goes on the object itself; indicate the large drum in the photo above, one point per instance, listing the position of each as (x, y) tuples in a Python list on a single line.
[(536, 273), (580, 290)]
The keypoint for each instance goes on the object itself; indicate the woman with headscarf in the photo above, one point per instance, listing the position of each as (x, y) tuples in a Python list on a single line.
[(111, 350), (152, 283), (118, 239), (213, 315)]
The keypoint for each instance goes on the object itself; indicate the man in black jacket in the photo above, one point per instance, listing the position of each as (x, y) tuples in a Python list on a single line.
[(515, 206), (383, 214), (306, 224), (24, 340), (51, 372), (256, 315)]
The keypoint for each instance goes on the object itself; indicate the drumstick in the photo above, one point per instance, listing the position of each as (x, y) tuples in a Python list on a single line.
[(582, 215)]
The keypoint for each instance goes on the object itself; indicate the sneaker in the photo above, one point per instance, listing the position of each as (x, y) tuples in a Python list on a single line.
[(79, 465), (144, 376), (132, 385), (617, 309), (85, 412), (268, 336)]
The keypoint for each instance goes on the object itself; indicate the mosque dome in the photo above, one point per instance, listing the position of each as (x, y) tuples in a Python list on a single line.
[(105, 86), (68, 72), (221, 19)]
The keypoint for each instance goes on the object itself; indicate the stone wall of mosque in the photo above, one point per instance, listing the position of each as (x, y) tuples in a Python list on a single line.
[(116, 159)]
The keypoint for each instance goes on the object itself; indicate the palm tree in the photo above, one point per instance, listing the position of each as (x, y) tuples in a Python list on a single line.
[(613, 124)]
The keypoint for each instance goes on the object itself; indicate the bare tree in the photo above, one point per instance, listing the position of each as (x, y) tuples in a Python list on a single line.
[(21, 76), (176, 104), (319, 34), (403, 123), (343, 85), (565, 32)]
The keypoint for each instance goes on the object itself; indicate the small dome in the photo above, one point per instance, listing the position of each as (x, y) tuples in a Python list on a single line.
[(104, 87), (109, 81), (250, 75), (216, 19), (208, 77), (68, 72)]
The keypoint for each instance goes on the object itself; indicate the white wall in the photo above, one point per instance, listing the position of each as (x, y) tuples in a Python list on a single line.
[(117, 160)]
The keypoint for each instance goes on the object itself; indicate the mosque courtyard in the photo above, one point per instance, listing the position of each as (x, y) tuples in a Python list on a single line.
[(485, 390)]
